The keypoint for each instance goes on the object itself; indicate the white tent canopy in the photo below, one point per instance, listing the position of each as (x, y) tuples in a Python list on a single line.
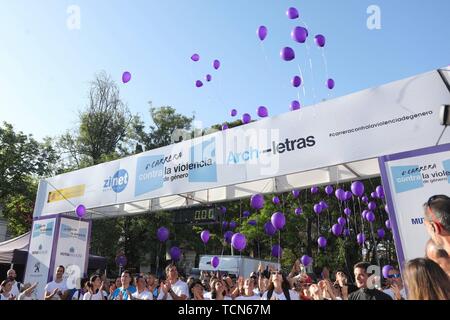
[(331, 142), (7, 248)]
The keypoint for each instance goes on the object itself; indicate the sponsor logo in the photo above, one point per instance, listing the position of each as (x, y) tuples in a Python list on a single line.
[(67, 193), (71, 253), (37, 267), (73, 233), (415, 221), (39, 250), (117, 183), (275, 148), (406, 178)]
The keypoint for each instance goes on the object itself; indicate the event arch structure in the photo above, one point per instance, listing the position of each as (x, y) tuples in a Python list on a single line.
[(334, 141)]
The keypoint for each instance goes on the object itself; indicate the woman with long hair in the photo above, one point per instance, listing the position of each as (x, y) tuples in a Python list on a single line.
[(425, 280), (218, 290), (94, 289), (279, 288), (5, 290)]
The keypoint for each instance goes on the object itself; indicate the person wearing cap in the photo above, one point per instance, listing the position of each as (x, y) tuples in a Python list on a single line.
[(437, 220)]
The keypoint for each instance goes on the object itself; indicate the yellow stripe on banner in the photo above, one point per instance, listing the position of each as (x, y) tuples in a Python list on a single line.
[(61, 194)]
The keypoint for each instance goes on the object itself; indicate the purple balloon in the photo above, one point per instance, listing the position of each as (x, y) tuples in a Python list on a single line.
[(317, 208), (330, 84), (336, 229), (224, 127), (195, 57), (257, 201), (223, 210), (306, 260), (246, 118), (277, 251), (126, 77), (386, 208), (323, 204), (299, 34), (314, 190), (342, 221), (262, 112), (121, 261), (252, 222), (361, 238), (365, 199), (357, 188), (329, 190), (246, 214), (340, 194), (216, 64), (175, 253), (262, 33), (295, 193), (287, 54), (388, 224), (381, 233), (386, 270), (346, 232), (380, 192), (269, 229), (80, 210), (276, 200), (227, 236), (364, 213), (215, 262), (233, 225), (370, 216), (372, 205), (233, 112), (298, 211), (162, 234), (238, 241), (224, 225), (347, 211), (374, 195), (204, 236), (198, 84), (296, 81), (348, 195), (208, 77), (322, 242), (278, 220), (320, 40), (292, 13), (295, 105)]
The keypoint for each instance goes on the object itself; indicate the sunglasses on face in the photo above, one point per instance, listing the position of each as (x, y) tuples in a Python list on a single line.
[(394, 276), (276, 272)]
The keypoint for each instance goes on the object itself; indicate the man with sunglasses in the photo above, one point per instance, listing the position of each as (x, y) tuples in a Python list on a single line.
[(395, 285), (437, 220)]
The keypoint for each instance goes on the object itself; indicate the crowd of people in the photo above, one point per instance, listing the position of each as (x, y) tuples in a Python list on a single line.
[(425, 278)]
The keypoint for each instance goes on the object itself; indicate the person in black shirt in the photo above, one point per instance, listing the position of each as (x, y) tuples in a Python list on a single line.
[(364, 293)]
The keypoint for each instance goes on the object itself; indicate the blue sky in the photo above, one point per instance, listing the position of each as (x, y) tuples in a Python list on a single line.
[(45, 68)]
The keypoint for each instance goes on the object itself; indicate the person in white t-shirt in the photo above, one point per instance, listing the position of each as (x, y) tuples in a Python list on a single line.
[(279, 288), (173, 288), (57, 289), (5, 290), (28, 292), (142, 292), (95, 289), (247, 293), (16, 286)]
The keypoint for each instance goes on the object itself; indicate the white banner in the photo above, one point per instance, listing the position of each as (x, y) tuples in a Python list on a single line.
[(410, 179), (40, 253), (72, 250), (396, 117)]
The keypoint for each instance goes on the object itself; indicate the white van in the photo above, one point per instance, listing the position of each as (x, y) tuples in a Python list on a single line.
[(237, 265)]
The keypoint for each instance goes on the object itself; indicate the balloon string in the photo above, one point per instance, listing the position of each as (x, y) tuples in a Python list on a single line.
[(302, 85), (325, 62)]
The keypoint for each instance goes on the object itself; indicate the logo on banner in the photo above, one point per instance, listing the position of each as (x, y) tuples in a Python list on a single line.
[(37, 267), (406, 178), (69, 232), (117, 183), (44, 228), (39, 250), (67, 193)]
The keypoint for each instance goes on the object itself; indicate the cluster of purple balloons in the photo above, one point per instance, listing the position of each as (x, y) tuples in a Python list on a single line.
[(216, 65)]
